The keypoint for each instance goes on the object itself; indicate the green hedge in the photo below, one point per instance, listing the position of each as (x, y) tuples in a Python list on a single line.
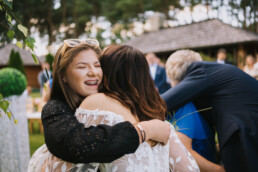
[(12, 82), (50, 60)]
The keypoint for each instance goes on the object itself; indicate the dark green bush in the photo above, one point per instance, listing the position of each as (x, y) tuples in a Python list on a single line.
[(12, 82), (206, 57), (15, 61), (50, 60)]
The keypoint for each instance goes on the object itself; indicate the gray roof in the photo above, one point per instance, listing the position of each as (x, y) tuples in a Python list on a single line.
[(207, 33), (25, 55)]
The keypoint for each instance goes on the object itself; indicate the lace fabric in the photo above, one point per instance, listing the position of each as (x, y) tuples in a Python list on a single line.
[(170, 157)]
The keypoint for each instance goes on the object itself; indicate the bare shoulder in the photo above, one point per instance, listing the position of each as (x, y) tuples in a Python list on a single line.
[(102, 102), (93, 101)]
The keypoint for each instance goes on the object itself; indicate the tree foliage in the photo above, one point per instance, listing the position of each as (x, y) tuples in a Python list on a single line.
[(249, 8), (62, 19), (50, 60)]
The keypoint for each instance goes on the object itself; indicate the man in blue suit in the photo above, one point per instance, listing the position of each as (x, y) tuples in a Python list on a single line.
[(233, 96), (222, 56), (158, 73)]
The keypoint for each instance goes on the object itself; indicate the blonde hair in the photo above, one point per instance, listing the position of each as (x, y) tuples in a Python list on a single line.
[(178, 62), (250, 57)]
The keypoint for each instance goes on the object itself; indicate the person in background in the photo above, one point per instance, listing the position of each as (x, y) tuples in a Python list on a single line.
[(232, 96), (158, 73), (222, 56), (192, 129), (256, 63), (44, 75), (159, 62), (46, 92), (256, 68), (75, 72), (249, 66)]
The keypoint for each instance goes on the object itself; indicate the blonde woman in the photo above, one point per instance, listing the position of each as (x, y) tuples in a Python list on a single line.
[(249, 67)]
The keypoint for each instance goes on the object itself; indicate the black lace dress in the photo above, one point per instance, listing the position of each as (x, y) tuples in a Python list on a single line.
[(67, 139)]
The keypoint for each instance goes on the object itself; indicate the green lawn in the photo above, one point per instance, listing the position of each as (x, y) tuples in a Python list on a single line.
[(36, 139), (35, 94)]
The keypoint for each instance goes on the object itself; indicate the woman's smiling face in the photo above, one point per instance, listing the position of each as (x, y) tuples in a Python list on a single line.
[(84, 74)]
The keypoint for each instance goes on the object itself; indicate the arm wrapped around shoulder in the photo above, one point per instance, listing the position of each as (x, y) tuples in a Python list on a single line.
[(67, 139)]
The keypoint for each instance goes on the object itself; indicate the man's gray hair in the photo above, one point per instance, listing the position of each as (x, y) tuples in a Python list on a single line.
[(178, 62)]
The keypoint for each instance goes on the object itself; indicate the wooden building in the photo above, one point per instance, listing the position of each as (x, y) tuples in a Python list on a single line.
[(206, 37), (31, 68)]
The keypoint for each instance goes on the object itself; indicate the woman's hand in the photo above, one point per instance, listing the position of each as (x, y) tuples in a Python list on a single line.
[(156, 130)]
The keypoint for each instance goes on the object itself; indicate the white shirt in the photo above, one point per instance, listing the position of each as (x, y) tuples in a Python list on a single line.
[(221, 61), (153, 69)]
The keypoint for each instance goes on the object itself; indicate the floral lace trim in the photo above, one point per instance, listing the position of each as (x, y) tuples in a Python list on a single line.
[(101, 113)]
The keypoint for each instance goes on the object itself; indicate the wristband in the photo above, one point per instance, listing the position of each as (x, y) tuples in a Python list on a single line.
[(143, 134)]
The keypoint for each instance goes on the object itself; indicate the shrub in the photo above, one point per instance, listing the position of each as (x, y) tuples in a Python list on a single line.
[(12, 82), (15, 61), (206, 57), (49, 60)]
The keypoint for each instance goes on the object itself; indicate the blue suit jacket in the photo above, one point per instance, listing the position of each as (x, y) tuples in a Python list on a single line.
[(161, 80), (231, 93)]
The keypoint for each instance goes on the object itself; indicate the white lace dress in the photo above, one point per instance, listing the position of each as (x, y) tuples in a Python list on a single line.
[(171, 157)]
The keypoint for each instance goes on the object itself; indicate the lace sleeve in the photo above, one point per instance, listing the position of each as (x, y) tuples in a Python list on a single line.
[(43, 160), (69, 140), (96, 117), (180, 158)]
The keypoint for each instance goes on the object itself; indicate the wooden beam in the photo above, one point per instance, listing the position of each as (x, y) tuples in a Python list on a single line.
[(241, 56)]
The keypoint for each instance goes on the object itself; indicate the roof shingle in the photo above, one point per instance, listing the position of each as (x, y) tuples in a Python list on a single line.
[(25, 55), (197, 35)]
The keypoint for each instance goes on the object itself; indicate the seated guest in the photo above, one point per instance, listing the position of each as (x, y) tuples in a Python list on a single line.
[(192, 129)]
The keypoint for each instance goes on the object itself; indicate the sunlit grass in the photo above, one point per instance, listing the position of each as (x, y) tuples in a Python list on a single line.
[(36, 139), (35, 95)]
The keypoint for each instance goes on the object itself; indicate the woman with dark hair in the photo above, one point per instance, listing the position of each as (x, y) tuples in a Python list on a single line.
[(128, 93), (77, 74)]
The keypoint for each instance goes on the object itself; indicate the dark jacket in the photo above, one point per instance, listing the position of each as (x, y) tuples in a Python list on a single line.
[(161, 80), (231, 93), (67, 139)]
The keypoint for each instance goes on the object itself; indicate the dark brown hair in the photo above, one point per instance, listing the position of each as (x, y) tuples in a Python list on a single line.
[(126, 78), (222, 50), (60, 89)]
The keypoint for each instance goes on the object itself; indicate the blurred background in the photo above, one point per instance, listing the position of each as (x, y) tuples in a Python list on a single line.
[(156, 26)]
